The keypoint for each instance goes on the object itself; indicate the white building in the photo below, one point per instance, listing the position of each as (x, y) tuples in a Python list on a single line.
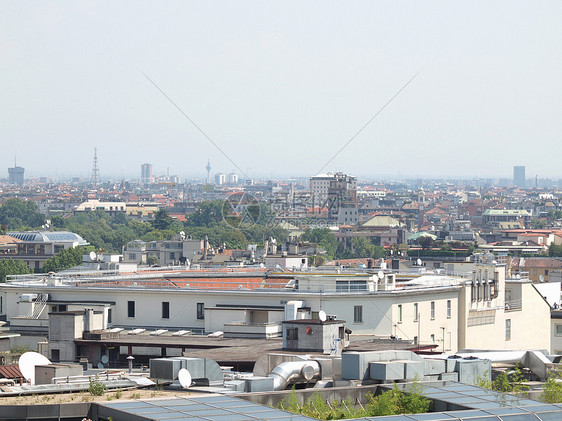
[(450, 313), (319, 187), (220, 179)]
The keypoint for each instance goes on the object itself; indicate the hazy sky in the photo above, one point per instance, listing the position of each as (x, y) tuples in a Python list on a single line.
[(280, 86)]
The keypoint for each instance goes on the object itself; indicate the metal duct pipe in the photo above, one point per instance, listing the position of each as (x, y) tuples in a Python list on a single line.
[(293, 370)]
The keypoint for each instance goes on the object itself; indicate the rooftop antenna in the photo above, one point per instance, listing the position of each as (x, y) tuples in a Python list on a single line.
[(95, 178)]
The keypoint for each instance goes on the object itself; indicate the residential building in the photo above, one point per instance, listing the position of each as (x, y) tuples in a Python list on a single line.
[(319, 186), (506, 218), (485, 311), (34, 247), (342, 199), (168, 252)]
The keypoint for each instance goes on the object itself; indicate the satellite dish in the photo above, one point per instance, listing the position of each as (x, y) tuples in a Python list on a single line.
[(541, 278), (419, 262), (322, 315), (380, 274), (104, 359), (92, 255), (100, 365), (27, 363), (184, 377)]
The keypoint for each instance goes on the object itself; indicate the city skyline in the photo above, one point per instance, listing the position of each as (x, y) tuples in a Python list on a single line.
[(280, 92)]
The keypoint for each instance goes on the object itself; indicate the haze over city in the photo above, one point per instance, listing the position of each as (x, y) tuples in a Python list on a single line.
[(280, 87)]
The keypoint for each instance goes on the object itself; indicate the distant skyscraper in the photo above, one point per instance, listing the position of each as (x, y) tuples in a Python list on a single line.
[(15, 175), (146, 174), (220, 179), (232, 178), (519, 176)]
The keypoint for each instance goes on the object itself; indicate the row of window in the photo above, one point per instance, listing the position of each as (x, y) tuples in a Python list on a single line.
[(165, 310), (417, 313), (358, 311)]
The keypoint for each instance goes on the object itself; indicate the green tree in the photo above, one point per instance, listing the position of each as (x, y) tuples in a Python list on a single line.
[(390, 402), (394, 402), (152, 260), (324, 238), (208, 214), (65, 259), (538, 223), (12, 267), (425, 241), (162, 220), (554, 250), (504, 382), (552, 389), (18, 214)]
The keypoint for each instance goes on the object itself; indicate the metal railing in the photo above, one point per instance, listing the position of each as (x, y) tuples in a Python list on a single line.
[(513, 305)]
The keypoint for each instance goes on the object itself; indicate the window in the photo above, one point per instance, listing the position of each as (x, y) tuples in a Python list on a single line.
[(507, 329), (448, 309), (415, 312), (109, 316), (165, 310), (358, 314), (558, 330), (293, 334), (1, 305), (432, 338), (200, 311), (130, 309), (132, 256), (399, 313), (432, 310), (62, 307)]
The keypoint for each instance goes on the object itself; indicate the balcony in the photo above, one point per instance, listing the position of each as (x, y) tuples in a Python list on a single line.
[(513, 305)]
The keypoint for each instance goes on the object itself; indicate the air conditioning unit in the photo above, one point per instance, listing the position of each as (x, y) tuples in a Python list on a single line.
[(28, 298)]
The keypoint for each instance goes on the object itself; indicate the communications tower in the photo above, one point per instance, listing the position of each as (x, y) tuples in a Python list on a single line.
[(95, 178)]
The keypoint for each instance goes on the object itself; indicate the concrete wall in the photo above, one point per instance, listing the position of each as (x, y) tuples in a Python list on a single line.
[(378, 309), (441, 326), (556, 338), (530, 322)]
